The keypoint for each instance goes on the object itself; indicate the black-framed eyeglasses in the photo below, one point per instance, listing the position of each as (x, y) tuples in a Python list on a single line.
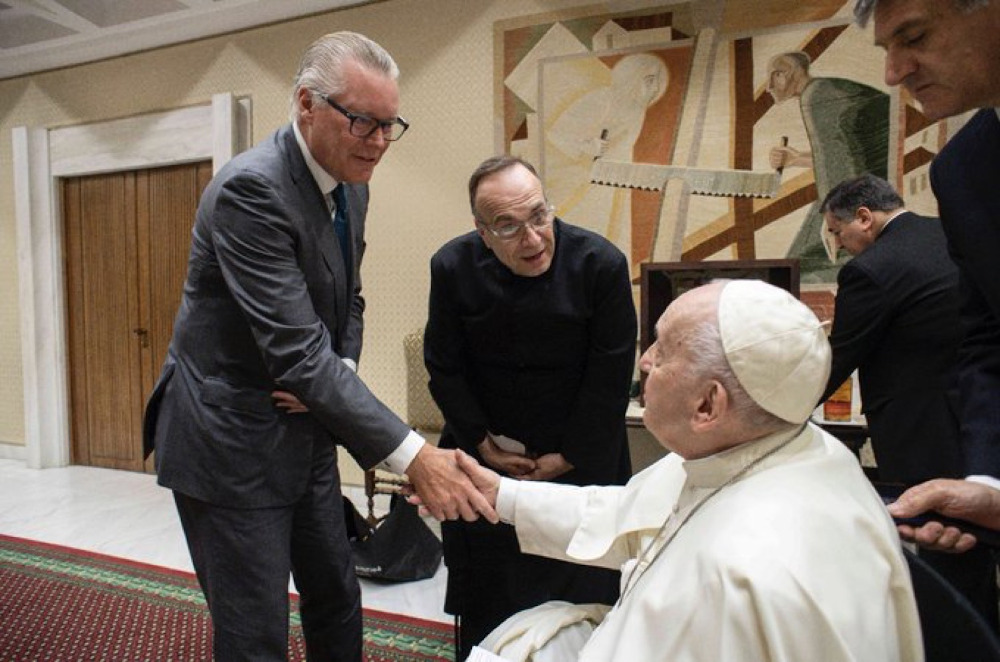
[(508, 229), (363, 126)]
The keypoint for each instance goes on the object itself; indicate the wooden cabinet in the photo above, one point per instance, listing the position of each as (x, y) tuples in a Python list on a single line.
[(662, 282)]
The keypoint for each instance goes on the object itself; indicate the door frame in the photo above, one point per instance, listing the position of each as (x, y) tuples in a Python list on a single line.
[(217, 130)]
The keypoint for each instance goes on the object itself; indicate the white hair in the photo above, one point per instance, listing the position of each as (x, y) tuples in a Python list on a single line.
[(321, 70), (707, 360)]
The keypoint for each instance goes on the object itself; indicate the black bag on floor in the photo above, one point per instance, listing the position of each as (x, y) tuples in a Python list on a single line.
[(357, 526), (401, 548)]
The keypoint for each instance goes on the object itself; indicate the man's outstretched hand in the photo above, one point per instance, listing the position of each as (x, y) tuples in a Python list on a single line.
[(961, 499), (444, 490)]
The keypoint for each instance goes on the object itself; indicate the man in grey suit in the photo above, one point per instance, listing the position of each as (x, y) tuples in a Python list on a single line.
[(272, 304)]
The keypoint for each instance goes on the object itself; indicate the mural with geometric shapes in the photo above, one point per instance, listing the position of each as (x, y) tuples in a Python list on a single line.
[(708, 129)]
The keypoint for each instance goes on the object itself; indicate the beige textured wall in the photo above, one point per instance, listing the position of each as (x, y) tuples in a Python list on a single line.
[(445, 51)]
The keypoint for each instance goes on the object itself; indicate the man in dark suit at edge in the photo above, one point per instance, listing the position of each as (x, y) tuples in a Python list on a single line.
[(946, 53), (897, 322), (272, 304)]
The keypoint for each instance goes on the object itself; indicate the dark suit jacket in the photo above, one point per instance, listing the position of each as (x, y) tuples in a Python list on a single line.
[(966, 181), (546, 360), (268, 304), (897, 322)]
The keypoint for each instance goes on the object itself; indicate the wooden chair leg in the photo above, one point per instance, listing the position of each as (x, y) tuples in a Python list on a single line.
[(370, 495)]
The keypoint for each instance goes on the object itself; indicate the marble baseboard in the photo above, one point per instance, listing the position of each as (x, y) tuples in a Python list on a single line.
[(13, 452)]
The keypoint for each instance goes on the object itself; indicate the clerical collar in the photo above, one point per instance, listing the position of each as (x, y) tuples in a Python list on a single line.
[(714, 473), (324, 181), (715, 470)]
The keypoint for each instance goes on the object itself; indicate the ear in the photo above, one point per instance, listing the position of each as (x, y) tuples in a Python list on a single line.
[(865, 217), (711, 406), (306, 103)]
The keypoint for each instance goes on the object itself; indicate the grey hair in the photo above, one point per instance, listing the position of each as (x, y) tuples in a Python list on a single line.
[(707, 360), (322, 67), (875, 193), (863, 9)]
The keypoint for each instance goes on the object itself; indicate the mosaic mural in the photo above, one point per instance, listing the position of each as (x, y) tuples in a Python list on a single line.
[(709, 129)]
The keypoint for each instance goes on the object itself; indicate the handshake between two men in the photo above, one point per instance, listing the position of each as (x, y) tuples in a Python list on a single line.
[(459, 488), (738, 520), (450, 485)]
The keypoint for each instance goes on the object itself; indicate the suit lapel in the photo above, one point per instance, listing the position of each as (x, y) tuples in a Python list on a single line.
[(316, 216)]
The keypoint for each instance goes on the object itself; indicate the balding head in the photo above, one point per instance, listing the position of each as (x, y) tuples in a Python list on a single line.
[(787, 75), (733, 361)]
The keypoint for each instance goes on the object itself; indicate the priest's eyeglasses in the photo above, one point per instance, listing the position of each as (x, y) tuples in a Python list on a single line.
[(363, 126), (509, 229)]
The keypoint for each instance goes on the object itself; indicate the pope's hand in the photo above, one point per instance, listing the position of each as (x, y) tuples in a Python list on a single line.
[(444, 490)]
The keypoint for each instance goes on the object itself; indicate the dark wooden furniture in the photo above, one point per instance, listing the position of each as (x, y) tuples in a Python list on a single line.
[(853, 434), (662, 282)]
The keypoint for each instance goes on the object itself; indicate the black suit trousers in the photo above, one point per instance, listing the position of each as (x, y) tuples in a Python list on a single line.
[(243, 557)]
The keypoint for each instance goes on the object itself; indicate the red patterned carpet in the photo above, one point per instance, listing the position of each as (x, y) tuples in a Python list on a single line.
[(65, 605)]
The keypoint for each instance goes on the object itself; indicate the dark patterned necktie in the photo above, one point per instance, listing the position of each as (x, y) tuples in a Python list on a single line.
[(340, 222)]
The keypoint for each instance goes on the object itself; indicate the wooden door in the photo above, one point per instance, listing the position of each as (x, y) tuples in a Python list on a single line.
[(127, 236)]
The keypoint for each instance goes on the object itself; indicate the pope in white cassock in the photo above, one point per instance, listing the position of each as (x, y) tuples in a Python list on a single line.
[(757, 538)]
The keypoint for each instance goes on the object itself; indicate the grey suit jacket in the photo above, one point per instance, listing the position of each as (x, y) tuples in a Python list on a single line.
[(268, 304)]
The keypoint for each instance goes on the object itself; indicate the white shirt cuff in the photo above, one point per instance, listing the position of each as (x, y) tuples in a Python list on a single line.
[(507, 499), (350, 363), (988, 481), (399, 460)]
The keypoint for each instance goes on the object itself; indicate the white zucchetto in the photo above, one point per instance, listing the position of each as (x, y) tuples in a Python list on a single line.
[(776, 347)]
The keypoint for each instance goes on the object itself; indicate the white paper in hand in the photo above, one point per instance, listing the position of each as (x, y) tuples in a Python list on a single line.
[(508, 444)]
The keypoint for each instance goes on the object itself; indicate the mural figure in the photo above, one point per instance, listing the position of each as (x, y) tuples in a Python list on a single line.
[(601, 123), (848, 127)]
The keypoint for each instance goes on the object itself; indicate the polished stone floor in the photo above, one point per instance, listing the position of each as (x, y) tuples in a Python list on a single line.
[(126, 514)]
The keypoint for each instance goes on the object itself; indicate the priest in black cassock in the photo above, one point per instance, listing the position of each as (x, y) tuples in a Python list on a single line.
[(530, 346)]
